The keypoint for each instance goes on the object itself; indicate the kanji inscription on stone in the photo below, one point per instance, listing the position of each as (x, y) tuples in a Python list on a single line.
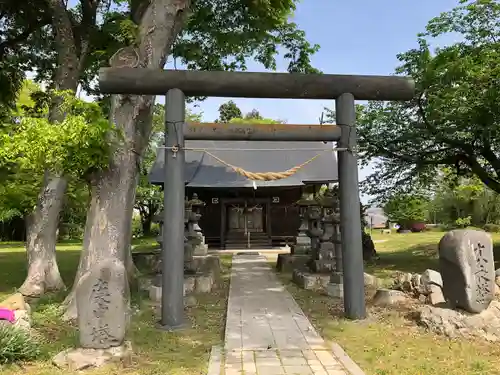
[(103, 303), (467, 268)]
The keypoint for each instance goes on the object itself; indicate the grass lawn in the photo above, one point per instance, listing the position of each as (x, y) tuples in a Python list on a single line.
[(155, 352), (386, 343)]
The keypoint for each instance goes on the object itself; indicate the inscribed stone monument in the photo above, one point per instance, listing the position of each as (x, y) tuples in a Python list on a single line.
[(103, 300), (467, 269)]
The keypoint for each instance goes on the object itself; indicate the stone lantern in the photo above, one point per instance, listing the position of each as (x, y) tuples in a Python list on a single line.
[(196, 238), (335, 287), (314, 229), (303, 241), (325, 261), (188, 234)]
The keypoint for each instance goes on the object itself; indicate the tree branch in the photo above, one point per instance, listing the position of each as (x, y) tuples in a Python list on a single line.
[(489, 155), (12, 42), (67, 59), (481, 172), (87, 25)]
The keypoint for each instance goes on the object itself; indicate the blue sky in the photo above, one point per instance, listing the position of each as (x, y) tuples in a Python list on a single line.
[(356, 37)]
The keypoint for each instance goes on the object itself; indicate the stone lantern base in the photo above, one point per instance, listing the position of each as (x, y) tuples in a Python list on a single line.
[(335, 287)]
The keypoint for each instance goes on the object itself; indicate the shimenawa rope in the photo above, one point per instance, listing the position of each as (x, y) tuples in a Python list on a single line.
[(257, 176)]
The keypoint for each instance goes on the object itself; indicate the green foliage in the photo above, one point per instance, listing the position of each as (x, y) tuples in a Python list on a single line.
[(18, 194), (148, 197), (228, 111), (405, 209), (30, 144), (463, 222), (74, 212), (75, 146), (17, 345), (219, 35), (22, 28), (454, 119), (458, 197)]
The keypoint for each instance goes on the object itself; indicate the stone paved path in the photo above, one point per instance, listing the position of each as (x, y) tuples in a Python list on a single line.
[(266, 331)]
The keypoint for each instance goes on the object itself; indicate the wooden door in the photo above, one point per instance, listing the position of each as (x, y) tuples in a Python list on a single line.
[(240, 220)]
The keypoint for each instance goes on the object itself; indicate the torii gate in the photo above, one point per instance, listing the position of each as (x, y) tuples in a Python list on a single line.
[(177, 84)]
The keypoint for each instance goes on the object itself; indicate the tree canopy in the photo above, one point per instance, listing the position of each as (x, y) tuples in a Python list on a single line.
[(454, 118), (406, 209)]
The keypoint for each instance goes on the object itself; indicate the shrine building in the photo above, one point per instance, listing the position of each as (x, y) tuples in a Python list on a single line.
[(242, 213)]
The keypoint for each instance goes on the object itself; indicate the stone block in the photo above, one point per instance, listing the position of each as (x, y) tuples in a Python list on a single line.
[(148, 262), (335, 290), (388, 297), (208, 264), (103, 303), (310, 281), (82, 359), (435, 296), (431, 277), (155, 293), (204, 283), (289, 262), (189, 284), (323, 265), (14, 302), (467, 269), (370, 280), (458, 323)]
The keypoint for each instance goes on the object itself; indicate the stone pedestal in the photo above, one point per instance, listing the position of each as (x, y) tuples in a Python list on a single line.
[(289, 262), (206, 275), (335, 287), (310, 280)]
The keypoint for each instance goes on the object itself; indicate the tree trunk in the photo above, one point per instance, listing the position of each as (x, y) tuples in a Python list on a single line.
[(43, 273), (109, 219)]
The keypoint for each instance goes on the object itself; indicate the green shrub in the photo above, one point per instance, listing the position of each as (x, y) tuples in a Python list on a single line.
[(463, 222), (17, 345), (492, 228), (136, 227), (155, 230)]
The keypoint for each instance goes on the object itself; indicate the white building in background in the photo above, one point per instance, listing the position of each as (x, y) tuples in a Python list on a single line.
[(375, 217)]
